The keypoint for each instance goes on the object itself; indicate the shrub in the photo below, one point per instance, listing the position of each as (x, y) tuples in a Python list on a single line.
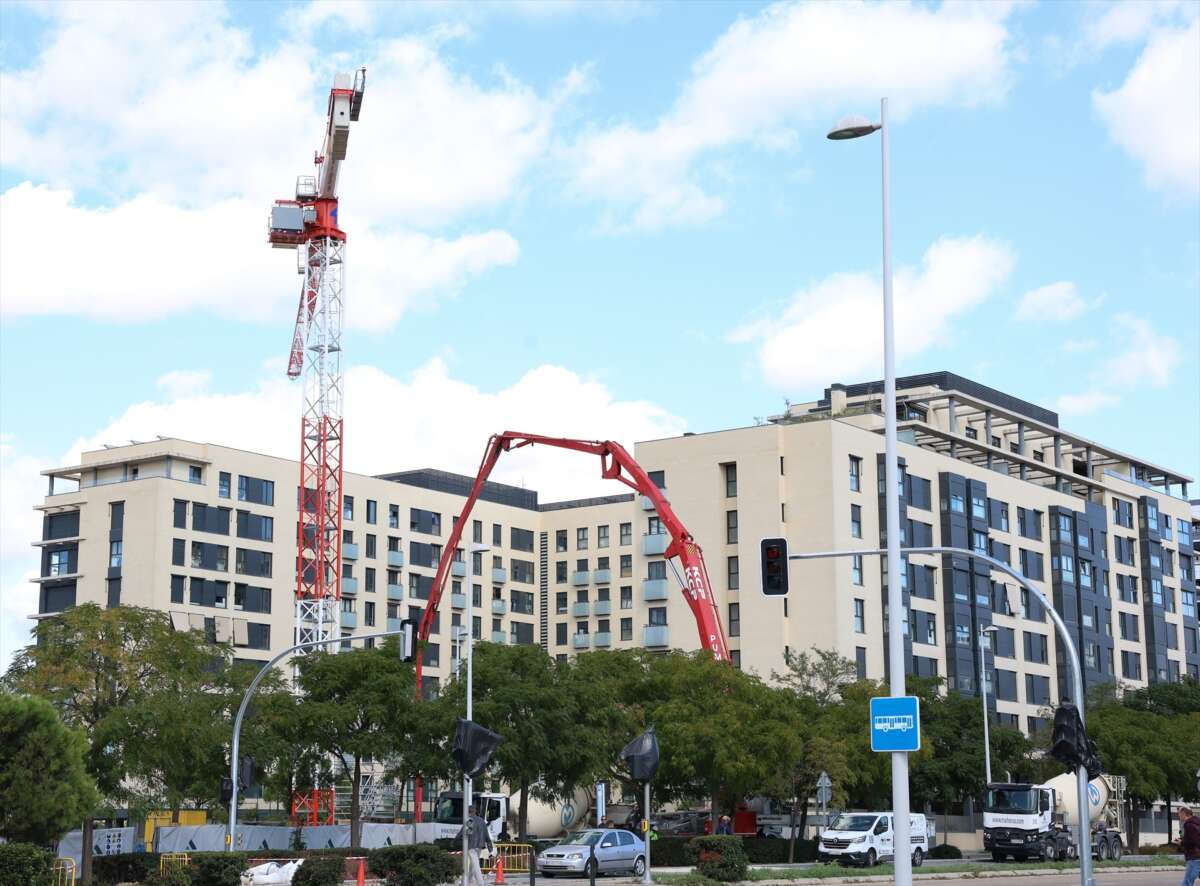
[(945, 850), (320, 870), (219, 868), (419, 865), (670, 852), (719, 857), (125, 867), (174, 875), (24, 863)]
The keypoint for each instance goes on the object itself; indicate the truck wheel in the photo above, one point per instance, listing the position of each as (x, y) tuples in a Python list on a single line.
[(918, 857), (1050, 851), (872, 860), (1101, 849), (998, 856), (1115, 849)]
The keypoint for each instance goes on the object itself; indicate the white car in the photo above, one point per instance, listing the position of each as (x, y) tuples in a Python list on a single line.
[(867, 838), (273, 873)]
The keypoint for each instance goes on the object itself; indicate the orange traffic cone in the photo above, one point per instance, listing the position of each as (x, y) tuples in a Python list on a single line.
[(362, 872), (499, 869)]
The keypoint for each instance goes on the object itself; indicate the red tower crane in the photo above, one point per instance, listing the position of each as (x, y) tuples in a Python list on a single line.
[(309, 224), (615, 464)]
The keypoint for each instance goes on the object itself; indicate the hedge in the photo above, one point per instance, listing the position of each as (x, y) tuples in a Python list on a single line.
[(672, 851), (126, 867), (326, 870), (208, 868), (945, 850), (719, 857), (420, 865), (24, 863)]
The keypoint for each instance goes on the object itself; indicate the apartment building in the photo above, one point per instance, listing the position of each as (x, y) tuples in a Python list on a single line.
[(207, 533)]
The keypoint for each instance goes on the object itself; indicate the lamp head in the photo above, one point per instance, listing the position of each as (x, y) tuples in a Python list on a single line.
[(853, 126)]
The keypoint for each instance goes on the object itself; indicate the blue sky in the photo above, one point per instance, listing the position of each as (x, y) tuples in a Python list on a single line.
[(602, 219)]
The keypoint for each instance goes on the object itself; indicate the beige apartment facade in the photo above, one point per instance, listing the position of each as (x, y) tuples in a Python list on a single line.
[(207, 533)]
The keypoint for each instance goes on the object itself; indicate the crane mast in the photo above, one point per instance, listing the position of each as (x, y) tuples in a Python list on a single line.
[(309, 224)]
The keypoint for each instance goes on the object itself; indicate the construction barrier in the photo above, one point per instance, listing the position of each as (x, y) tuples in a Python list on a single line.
[(171, 860), (62, 873), (513, 858)]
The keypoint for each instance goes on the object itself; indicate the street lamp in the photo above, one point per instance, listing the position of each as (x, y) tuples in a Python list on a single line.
[(848, 128), (469, 557), (990, 630)]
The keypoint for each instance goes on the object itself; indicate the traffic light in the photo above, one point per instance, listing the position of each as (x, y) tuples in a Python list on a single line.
[(408, 635), (774, 563)]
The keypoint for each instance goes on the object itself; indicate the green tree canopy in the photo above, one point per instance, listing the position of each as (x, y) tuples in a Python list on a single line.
[(45, 785)]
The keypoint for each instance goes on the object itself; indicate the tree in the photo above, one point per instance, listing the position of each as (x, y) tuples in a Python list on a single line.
[(818, 676), (92, 664), (43, 780), (358, 705)]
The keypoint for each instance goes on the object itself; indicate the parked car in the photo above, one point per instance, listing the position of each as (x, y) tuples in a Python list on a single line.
[(866, 838), (616, 852)]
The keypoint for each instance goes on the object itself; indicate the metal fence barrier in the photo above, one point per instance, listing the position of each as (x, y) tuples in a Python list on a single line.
[(62, 872), (170, 860), (516, 858)]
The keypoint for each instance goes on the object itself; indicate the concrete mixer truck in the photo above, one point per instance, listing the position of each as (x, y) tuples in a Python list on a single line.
[(1038, 820)]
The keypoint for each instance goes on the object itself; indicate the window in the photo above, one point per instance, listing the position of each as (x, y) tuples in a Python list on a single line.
[(735, 620), (930, 629), (657, 615), (962, 635), (181, 507), (560, 540), (1123, 513), (177, 588), (223, 484), (1131, 665), (1036, 648), (347, 507), (1085, 574), (178, 549), (581, 565), (601, 565), (425, 522), (626, 534), (560, 603), (497, 535), (560, 634), (247, 598), (1037, 690), (255, 526), (731, 527), (394, 517), (522, 571), (626, 597), (626, 565), (1065, 564), (732, 570), (626, 628), (210, 556), (856, 521), (978, 507), (1156, 591), (860, 616), (253, 562), (521, 539), (979, 542), (204, 592), (560, 572), (1006, 685), (114, 554), (370, 546), (601, 537), (194, 474), (729, 472), (256, 491), (581, 538), (855, 474), (1128, 625), (856, 569), (370, 579), (521, 601)]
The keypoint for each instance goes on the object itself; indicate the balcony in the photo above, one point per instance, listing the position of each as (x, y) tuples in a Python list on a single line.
[(654, 635), (458, 601), (395, 592), (581, 641), (499, 607), (499, 637), (580, 578), (603, 576), (655, 544), (647, 504), (458, 568), (396, 559), (349, 585), (349, 619), (581, 610), (654, 589), (602, 607), (393, 624), (349, 551), (602, 639), (499, 575)]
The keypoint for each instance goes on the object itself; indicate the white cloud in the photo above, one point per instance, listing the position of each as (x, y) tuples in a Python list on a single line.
[(1085, 404), (1129, 21), (1055, 301), (146, 258), (1080, 345), (834, 329), (184, 382), (795, 63), (1155, 114), (546, 400)]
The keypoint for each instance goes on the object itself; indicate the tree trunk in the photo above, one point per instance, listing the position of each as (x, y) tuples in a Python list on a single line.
[(1170, 824), (945, 821), (1133, 824), (804, 818), (85, 875), (523, 811), (355, 811), (792, 829), (175, 814)]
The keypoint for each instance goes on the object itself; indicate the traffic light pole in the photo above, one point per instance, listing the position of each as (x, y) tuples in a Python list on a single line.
[(1084, 842), (231, 837)]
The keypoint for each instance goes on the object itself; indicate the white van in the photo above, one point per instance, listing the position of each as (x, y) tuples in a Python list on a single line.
[(866, 838)]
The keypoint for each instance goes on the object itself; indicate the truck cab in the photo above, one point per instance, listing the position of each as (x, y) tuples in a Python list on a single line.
[(867, 838), (1019, 820), (448, 815)]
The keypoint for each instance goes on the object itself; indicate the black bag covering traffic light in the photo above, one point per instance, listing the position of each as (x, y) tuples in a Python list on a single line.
[(226, 789), (1069, 743), (641, 756), (473, 747), (773, 559), (246, 773)]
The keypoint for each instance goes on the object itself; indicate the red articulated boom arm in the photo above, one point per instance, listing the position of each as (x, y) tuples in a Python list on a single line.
[(616, 464)]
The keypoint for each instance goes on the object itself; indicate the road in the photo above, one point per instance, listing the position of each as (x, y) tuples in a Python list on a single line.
[(1124, 877)]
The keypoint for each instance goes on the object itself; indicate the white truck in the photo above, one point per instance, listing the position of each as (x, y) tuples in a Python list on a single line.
[(1038, 820), (545, 819), (867, 838)]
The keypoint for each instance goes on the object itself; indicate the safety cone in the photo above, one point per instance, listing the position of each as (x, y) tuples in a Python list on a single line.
[(499, 869), (362, 872)]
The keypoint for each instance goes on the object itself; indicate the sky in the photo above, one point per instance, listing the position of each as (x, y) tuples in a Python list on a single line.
[(598, 219)]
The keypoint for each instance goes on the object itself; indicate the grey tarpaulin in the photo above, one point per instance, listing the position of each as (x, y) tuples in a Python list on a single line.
[(255, 838), (105, 841)]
